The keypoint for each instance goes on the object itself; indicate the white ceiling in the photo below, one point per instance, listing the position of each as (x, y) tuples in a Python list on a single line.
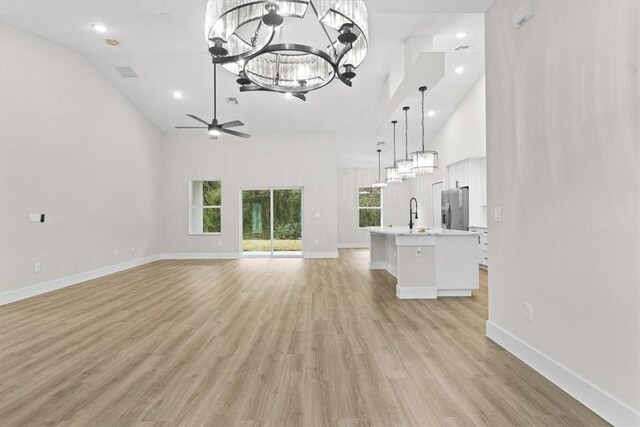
[(163, 41)]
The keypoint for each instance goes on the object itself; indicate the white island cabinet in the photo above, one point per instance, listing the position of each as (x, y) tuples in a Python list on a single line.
[(431, 264)]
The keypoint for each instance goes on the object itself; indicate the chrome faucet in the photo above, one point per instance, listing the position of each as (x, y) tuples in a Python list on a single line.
[(412, 215)]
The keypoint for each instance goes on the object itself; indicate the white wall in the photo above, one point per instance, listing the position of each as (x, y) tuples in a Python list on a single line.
[(71, 147), (286, 160), (462, 137), (563, 110), (349, 180)]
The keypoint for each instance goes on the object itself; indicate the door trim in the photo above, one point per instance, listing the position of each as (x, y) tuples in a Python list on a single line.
[(272, 253)]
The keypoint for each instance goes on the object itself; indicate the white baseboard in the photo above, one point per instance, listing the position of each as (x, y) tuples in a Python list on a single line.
[(599, 401), (202, 255), (52, 285), (454, 293), (410, 292), (321, 254), (353, 245)]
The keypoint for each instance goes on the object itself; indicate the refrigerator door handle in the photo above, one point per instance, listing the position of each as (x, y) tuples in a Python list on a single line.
[(447, 216)]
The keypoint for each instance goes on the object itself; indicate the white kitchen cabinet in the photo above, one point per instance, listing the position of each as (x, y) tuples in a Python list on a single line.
[(459, 174), (483, 181), (469, 173), (483, 246)]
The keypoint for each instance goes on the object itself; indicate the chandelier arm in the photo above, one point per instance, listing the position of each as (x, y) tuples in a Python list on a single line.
[(336, 66), (244, 56), (324, 28), (256, 88)]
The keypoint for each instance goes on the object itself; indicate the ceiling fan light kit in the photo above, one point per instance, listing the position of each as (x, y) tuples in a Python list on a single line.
[(292, 66)]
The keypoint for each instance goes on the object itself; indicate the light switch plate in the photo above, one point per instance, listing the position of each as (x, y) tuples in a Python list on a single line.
[(36, 268), (498, 214)]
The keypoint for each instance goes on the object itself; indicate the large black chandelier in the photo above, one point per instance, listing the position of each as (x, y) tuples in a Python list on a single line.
[(242, 33)]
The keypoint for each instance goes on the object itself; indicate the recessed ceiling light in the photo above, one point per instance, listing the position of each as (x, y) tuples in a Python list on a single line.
[(112, 42), (459, 70), (431, 113), (461, 35), (177, 94), (100, 28)]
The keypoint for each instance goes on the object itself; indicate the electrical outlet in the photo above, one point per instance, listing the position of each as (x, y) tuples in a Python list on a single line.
[(528, 312), (219, 242), (317, 242), (36, 268), (133, 249), (497, 214), (115, 252), (419, 251)]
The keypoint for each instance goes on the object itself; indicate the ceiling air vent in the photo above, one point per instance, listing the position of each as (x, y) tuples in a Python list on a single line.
[(126, 72), (231, 100)]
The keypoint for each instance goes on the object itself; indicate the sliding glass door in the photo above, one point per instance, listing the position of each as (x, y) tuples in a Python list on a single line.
[(272, 222)]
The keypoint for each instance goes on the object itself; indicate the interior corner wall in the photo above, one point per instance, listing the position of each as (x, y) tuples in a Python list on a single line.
[(264, 161), (563, 109), (72, 148)]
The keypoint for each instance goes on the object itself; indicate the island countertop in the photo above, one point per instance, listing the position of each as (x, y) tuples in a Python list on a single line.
[(404, 231)]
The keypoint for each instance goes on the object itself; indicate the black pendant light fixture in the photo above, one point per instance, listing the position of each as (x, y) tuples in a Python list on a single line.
[(380, 183), (392, 172), (425, 161), (405, 167)]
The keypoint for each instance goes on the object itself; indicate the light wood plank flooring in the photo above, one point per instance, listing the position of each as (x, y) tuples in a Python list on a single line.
[(263, 342)]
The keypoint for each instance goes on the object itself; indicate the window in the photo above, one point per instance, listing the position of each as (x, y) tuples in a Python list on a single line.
[(206, 207), (369, 207)]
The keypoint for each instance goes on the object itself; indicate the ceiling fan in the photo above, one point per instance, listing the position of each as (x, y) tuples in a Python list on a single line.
[(216, 129)]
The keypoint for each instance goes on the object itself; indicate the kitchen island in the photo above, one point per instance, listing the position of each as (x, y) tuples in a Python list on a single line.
[(429, 264)]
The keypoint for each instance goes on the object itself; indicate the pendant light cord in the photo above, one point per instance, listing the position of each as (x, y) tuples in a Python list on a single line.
[(423, 119), (406, 133), (379, 179), (395, 161)]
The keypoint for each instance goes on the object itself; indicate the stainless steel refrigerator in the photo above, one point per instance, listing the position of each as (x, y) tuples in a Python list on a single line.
[(455, 209)]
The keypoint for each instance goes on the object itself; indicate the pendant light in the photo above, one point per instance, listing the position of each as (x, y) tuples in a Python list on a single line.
[(405, 167), (425, 161), (380, 183), (392, 172)]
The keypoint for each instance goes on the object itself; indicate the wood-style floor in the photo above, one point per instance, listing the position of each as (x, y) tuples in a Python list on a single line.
[(263, 342)]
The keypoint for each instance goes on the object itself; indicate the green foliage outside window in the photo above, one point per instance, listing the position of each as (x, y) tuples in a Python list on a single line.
[(370, 207)]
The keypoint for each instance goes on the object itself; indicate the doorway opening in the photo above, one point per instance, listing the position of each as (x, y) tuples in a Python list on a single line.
[(272, 222)]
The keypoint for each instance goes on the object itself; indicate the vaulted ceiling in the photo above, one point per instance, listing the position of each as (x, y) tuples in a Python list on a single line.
[(163, 42)]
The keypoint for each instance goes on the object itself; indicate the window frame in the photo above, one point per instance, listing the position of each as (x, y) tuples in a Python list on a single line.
[(380, 208), (193, 206)]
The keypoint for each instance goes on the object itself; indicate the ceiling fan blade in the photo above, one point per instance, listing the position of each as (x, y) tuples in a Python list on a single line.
[(198, 119), (191, 127), (232, 124), (234, 133)]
